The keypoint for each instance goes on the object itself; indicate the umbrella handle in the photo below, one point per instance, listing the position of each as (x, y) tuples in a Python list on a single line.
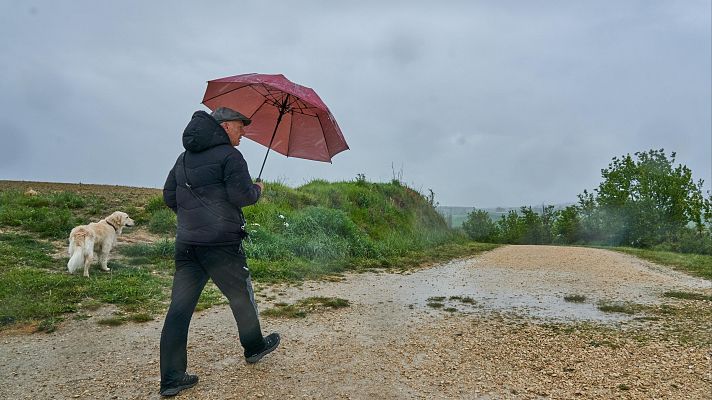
[(282, 110)]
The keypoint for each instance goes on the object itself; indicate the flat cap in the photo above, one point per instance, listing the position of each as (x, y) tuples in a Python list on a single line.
[(223, 114)]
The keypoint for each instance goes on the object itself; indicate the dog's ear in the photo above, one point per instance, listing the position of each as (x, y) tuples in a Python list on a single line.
[(115, 218)]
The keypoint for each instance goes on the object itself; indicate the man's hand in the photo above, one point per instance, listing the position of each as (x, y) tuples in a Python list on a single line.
[(261, 185)]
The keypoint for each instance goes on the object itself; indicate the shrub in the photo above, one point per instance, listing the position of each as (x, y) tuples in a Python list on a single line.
[(479, 226), (567, 227), (163, 221), (511, 228), (324, 233)]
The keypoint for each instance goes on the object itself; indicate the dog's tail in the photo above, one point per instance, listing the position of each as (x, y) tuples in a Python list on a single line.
[(79, 245)]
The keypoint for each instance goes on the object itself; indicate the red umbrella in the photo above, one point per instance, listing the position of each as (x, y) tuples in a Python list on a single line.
[(286, 117)]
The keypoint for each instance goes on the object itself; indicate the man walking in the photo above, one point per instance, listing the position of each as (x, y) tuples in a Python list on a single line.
[(207, 187)]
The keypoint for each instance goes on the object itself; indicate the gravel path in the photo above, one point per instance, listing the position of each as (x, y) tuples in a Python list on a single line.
[(518, 339)]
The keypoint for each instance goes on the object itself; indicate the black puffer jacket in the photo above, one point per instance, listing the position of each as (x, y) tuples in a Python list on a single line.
[(210, 214)]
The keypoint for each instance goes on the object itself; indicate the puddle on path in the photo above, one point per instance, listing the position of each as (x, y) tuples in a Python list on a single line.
[(498, 289), (526, 292)]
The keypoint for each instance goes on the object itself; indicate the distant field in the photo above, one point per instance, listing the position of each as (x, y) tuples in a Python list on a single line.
[(113, 195), (455, 216)]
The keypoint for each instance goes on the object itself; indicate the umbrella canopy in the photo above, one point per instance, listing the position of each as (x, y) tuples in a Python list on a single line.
[(286, 117)]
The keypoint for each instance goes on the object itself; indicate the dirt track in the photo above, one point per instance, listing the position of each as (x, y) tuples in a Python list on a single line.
[(517, 340)]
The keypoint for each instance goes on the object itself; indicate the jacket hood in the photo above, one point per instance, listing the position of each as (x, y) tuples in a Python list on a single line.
[(203, 132)]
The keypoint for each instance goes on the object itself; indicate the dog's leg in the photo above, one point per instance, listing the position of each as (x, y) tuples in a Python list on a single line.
[(103, 260), (87, 262)]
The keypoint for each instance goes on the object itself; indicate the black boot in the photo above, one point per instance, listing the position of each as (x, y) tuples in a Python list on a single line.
[(188, 381), (271, 343)]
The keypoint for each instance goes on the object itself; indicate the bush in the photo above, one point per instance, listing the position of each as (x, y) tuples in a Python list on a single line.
[(689, 241), (567, 226), (264, 245), (479, 226), (324, 233), (511, 228)]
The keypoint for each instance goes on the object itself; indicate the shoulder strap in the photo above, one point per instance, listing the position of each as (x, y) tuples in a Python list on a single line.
[(200, 199)]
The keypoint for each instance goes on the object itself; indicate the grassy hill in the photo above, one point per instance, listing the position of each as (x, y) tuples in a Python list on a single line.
[(318, 229)]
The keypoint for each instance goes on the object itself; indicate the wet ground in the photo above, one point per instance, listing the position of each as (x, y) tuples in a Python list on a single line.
[(527, 286), (390, 344)]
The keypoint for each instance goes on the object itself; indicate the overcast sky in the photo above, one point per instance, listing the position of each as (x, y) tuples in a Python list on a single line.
[(489, 103)]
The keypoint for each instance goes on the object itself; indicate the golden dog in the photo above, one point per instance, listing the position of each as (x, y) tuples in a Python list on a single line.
[(99, 237)]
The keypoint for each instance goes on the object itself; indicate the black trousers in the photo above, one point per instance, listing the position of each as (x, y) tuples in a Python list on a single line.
[(227, 267)]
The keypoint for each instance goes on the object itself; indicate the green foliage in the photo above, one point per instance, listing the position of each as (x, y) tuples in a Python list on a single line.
[(327, 222), (479, 226), (511, 228), (566, 228), (644, 201), (537, 228)]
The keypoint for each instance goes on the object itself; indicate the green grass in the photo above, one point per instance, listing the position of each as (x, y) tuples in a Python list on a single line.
[(50, 215), (33, 286), (694, 264), (316, 230), (283, 310), (49, 325), (163, 249), (687, 296), (617, 307)]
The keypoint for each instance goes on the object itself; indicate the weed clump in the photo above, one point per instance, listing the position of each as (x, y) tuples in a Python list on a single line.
[(623, 308), (687, 296), (575, 298), (301, 308)]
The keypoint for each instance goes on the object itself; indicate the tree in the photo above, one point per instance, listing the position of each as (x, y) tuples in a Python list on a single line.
[(567, 226), (479, 226), (645, 200), (537, 227), (511, 228)]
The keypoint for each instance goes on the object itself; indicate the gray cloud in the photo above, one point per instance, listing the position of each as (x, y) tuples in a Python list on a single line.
[(487, 103)]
